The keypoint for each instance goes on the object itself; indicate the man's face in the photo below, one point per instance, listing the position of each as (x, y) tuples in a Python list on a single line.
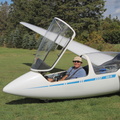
[(77, 64)]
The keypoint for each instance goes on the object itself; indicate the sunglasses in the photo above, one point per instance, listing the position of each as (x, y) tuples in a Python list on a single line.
[(76, 61)]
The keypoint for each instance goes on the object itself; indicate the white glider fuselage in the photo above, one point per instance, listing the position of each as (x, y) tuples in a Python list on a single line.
[(34, 84)]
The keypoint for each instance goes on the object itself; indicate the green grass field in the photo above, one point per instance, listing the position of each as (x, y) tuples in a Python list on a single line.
[(15, 62)]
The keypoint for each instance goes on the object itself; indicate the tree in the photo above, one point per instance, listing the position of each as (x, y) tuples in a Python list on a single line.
[(14, 40), (83, 15), (111, 30), (4, 11), (1, 40), (95, 40), (80, 14), (25, 41)]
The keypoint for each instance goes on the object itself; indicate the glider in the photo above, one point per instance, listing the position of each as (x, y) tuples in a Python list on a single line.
[(103, 69)]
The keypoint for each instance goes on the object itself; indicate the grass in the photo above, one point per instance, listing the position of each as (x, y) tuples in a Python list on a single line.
[(117, 47), (15, 62), (111, 47)]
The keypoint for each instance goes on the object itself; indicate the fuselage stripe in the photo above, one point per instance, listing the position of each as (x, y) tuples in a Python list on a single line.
[(75, 82), (56, 85), (88, 80)]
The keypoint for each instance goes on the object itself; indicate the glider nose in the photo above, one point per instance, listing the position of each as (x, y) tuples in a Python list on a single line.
[(21, 85), (14, 87), (8, 89)]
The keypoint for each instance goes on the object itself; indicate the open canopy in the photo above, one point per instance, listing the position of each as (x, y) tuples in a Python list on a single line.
[(53, 45), (58, 36)]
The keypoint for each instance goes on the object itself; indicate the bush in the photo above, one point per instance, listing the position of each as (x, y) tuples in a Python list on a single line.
[(1, 41), (112, 36), (32, 42), (13, 40), (29, 42), (95, 40), (25, 41)]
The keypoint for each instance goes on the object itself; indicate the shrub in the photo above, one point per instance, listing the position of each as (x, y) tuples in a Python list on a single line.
[(95, 40), (1, 41), (112, 36)]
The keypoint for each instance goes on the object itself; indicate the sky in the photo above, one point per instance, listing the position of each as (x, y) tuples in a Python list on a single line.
[(112, 6), (9, 1)]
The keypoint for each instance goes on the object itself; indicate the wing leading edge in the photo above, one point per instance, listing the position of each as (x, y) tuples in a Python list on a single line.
[(79, 48)]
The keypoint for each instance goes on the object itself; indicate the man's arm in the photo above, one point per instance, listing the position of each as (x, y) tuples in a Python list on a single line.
[(63, 78), (52, 80)]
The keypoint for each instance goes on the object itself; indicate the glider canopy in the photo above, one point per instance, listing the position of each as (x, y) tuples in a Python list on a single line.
[(53, 45)]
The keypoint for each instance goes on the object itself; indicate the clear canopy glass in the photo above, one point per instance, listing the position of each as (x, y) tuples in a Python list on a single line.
[(53, 45)]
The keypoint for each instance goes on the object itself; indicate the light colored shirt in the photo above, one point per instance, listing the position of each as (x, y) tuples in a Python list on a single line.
[(73, 73)]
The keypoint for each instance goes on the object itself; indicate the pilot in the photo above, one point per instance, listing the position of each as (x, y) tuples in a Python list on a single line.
[(73, 72)]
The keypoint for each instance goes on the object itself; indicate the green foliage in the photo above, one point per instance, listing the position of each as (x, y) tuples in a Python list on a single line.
[(82, 15), (111, 30), (25, 41), (29, 42), (112, 36), (85, 16), (13, 40), (4, 11), (1, 40), (32, 42), (111, 47), (95, 40)]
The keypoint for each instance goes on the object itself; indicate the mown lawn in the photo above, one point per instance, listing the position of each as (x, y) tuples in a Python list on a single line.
[(15, 62)]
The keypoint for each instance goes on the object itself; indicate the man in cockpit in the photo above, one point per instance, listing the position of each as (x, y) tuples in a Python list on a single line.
[(73, 72)]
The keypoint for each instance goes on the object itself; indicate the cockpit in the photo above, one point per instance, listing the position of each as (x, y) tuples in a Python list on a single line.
[(106, 65), (53, 45)]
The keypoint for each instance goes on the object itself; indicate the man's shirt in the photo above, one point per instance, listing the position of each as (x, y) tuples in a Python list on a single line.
[(73, 73)]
